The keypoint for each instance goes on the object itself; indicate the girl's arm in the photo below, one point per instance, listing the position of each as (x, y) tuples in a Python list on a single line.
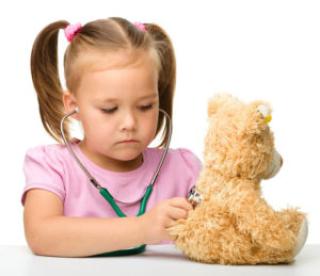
[(50, 233)]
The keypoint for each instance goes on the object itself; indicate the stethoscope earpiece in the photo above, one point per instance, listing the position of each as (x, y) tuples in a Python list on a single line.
[(76, 109)]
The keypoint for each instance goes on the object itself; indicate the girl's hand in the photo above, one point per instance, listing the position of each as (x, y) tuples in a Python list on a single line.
[(162, 216)]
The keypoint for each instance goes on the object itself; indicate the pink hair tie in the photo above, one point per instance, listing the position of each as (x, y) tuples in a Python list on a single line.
[(71, 30), (140, 26)]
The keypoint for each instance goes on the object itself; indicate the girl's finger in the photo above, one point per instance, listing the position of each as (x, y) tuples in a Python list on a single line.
[(181, 202), (177, 213)]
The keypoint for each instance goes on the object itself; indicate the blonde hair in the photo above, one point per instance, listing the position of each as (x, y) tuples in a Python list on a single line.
[(104, 34)]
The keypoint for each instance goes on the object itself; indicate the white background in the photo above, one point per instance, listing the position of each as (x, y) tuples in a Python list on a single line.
[(266, 50)]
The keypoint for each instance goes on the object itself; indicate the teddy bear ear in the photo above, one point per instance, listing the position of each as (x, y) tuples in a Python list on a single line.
[(259, 116), (265, 110), (217, 102)]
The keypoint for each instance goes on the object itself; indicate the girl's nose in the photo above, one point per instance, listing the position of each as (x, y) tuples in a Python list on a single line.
[(129, 121)]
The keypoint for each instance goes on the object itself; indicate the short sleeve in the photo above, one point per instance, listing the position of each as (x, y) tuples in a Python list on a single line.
[(193, 165), (43, 170)]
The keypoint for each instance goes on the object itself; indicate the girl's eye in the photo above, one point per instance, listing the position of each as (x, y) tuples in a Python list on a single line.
[(112, 110), (109, 110), (146, 107)]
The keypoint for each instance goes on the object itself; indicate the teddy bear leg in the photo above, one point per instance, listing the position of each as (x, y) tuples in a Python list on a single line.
[(274, 256), (298, 224), (301, 238), (292, 219)]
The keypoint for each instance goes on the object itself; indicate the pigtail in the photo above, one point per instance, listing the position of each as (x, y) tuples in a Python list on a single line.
[(45, 77), (167, 74)]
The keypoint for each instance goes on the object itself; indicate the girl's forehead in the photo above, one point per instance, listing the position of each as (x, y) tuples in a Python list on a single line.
[(119, 72), (93, 61)]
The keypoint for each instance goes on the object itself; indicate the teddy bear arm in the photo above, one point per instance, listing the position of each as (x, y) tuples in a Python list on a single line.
[(263, 224)]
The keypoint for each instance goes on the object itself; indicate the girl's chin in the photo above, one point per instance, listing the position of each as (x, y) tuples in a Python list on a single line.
[(128, 155)]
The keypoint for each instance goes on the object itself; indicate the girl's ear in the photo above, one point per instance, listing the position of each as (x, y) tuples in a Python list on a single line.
[(70, 103)]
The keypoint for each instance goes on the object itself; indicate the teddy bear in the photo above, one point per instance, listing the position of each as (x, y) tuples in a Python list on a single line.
[(231, 222)]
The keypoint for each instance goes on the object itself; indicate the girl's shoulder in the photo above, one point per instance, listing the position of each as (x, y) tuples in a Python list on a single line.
[(54, 157), (47, 152), (44, 168)]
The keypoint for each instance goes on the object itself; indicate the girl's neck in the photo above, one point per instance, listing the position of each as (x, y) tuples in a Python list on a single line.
[(109, 163)]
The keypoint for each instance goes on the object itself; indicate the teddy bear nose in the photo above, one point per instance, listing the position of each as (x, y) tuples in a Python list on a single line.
[(281, 161)]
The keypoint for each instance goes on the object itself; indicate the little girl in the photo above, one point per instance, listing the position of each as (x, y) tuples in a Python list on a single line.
[(118, 77)]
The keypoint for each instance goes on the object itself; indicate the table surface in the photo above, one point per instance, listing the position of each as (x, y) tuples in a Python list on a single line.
[(157, 259)]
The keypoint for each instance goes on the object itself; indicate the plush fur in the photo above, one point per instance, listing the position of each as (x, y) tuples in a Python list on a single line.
[(234, 224)]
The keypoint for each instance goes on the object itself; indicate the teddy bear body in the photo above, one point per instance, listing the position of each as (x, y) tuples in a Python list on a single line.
[(233, 224)]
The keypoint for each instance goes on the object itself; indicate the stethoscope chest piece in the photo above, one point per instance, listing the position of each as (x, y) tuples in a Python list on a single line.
[(194, 197)]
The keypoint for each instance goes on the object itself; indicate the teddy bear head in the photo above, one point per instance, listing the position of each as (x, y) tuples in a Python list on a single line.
[(239, 142)]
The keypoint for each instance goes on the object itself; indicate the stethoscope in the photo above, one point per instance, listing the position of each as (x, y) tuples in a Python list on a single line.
[(106, 194)]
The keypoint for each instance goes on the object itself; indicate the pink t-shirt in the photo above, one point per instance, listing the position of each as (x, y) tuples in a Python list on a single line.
[(52, 168)]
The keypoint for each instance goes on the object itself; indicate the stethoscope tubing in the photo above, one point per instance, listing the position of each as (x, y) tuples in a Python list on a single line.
[(94, 182), (106, 194)]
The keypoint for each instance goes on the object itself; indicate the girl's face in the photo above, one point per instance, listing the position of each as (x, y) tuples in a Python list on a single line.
[(119, 106)]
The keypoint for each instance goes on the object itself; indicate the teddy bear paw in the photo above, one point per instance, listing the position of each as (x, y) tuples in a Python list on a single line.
[(301, 238)]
